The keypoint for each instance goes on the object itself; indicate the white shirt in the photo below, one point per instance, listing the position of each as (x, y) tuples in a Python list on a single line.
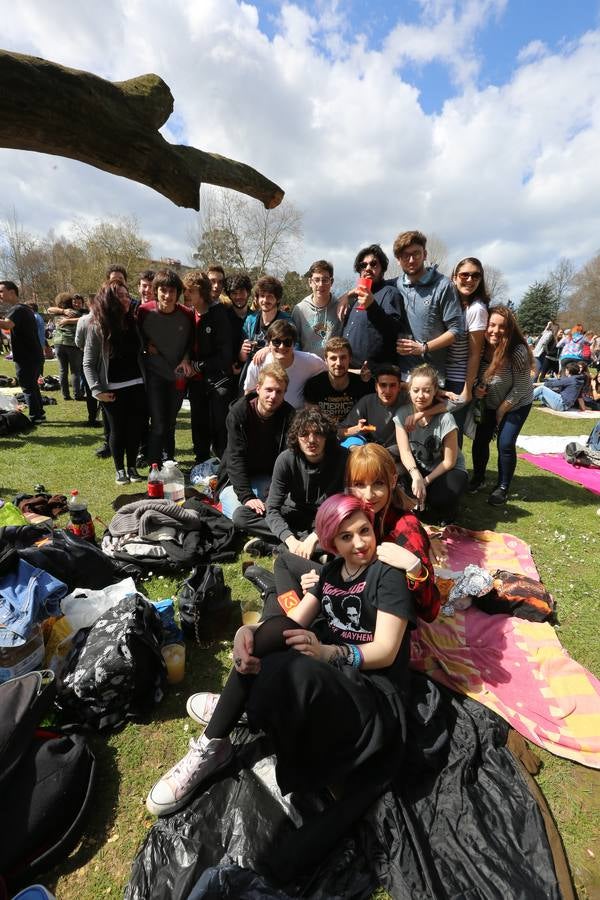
[(305, 365)]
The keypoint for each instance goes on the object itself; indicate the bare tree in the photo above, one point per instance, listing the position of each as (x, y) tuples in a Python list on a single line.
[(496, 284), (23, 255), (584, 302), (241, 234), (437, 252), (560, 280)]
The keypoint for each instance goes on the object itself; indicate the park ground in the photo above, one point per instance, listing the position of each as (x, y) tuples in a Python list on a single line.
[(558, 519)]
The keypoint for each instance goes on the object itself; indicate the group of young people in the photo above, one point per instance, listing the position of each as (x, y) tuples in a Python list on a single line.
[(334, 425), (332, 482)]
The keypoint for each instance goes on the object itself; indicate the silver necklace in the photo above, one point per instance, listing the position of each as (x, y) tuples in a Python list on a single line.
[(351, 576)]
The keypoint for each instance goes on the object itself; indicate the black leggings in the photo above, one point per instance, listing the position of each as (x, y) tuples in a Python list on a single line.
[(126, 416), (268, 638)]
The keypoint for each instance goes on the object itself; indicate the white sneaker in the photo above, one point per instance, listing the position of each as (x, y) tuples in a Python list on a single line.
[(200, 708), (176, 788)]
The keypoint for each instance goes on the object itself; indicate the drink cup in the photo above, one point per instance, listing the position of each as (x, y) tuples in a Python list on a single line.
[(174, 657), (366, 284), (251, 610)]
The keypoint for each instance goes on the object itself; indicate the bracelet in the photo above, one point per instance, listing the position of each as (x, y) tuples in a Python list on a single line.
[(413, 469), (341, 656), (425, 347), (356, 656), (420, 577)]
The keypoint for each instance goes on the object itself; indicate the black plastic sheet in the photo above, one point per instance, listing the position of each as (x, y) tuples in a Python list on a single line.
[(460, 823)]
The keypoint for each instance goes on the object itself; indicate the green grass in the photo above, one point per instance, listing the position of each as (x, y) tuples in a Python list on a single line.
[(558, 519)]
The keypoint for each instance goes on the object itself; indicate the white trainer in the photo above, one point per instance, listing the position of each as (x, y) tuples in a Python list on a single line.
[(176, 788), (200, 708)]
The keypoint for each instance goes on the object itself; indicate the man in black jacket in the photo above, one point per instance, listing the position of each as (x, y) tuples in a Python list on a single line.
[(209, 390), (257, 426), (27, 352)]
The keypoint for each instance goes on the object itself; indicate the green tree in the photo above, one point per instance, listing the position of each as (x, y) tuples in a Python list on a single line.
[(295, 288), (538, 306)]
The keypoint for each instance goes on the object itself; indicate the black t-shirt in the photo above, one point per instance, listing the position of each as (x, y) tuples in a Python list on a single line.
[(336, 403), (123, 364), (376, 413), (350, 609), (26, 347), (262, 434)]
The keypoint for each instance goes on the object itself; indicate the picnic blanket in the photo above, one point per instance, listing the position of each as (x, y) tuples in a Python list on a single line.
[(570, 413), (517, 668), (490, 550), (587, 478), (539, 444)]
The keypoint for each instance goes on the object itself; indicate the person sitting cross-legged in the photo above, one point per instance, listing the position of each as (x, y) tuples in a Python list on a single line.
[(305, 474), (257, 427)]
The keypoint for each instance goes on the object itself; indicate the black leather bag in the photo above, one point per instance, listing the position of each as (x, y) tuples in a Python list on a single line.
[(205, 605)]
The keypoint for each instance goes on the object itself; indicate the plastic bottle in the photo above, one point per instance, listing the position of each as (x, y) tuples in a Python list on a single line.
[(174, 482), (155, 483), (479, 411), (81, 522)]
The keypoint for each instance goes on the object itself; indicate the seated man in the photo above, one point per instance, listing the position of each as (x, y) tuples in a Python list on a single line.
[(337, 390), (300, 366), (257, 427), (372, 419), (563, 393), (311, 469)]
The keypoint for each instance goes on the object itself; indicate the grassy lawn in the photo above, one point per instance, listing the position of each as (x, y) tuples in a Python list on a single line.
[(559, 520)]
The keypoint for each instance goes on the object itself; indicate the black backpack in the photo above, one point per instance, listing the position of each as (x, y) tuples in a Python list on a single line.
[(46, 780), (205, 605), (116, 670)]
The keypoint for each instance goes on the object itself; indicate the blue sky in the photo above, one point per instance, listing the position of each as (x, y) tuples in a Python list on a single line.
[(498, 43), (477, 121)]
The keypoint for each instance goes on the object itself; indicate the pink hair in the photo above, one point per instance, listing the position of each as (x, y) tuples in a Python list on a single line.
[(332, 513)]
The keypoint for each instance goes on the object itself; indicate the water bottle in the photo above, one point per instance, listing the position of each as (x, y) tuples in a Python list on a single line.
[(173, 482), (81, 523), (479, 411), (155, 483)]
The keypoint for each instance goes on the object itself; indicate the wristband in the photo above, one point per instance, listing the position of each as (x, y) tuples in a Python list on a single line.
[(420, 577), (425, 348), (413, 469)]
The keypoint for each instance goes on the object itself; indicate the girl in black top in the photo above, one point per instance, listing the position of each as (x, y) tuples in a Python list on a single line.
[(333, 708)]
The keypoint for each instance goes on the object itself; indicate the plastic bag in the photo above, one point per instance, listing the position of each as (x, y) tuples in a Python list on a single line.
[(83, 606), (204, 476), (8, 403)]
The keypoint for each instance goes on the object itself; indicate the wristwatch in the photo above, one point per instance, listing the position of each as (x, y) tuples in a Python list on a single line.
[(425, 348)]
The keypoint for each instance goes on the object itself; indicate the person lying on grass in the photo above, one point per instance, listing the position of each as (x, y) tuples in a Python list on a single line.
[(334, 709)]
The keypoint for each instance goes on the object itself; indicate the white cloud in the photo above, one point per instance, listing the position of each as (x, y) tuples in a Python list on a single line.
[(506, 172)]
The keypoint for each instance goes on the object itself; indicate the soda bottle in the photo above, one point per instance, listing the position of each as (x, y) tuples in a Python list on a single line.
[(81, 522), (155, 483)]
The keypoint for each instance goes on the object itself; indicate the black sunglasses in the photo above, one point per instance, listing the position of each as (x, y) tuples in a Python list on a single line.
[(370, 264), (282, 342)]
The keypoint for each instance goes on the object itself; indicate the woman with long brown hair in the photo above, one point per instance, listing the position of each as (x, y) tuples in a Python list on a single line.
[(505, 383), (114, 369)]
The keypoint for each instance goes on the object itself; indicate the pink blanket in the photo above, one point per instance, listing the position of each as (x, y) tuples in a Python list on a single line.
[(549, 462), (490, 550), (520, 670)]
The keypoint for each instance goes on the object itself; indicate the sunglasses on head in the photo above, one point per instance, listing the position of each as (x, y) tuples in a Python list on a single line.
[(469, 276), (282, 342)]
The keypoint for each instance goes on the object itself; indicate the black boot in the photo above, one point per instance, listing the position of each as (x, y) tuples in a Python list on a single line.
[(261, 578)]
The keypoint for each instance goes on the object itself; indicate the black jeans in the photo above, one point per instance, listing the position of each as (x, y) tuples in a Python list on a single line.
[(70, 358), (508, 431), (126, 416), (209, 405), (27, 375), (164, 402)]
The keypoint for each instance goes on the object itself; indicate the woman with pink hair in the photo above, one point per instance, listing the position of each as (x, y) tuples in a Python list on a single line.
[(332, 705)]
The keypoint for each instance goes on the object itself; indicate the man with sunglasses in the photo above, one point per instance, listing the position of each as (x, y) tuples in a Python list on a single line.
[(431, 307), (373, 318), (299, 365), (315, 317)]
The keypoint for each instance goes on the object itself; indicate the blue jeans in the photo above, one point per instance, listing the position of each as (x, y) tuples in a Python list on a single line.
[(549, 397), (229, 499), (508, 431)]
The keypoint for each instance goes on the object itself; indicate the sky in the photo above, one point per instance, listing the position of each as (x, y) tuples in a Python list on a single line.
[(475, 120)]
